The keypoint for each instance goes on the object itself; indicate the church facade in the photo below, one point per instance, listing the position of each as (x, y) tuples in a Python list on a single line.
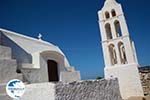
[(119, 50), (32, 60)]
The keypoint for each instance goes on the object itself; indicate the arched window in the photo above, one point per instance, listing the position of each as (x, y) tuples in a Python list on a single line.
[(108, 31), (113, 56), (122, 52), (113, 13), (107, 15), (117, 28)]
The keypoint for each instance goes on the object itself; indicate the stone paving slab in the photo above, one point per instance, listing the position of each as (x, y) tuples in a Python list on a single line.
[(5, 52)]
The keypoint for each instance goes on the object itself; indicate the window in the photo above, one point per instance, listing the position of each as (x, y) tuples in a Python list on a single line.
[(113, 13), (122, 53), (112, 53), (108, 31), (107, 15), (117, 28)]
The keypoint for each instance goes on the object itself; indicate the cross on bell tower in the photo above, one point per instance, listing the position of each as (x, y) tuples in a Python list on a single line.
[(118, 50)]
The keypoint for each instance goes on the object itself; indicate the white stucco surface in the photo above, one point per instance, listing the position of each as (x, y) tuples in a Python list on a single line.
[(69, 76), (33, 46), (32, 56), (42, 91), (127, 73), (128, 78)]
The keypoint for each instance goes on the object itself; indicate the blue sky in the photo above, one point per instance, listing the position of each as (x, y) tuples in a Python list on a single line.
[(73, 26)]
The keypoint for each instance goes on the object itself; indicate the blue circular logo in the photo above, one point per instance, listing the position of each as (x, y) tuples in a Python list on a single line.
[(15, 88)]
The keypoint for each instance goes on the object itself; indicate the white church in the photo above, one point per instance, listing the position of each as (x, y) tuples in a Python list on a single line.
[(119, 50), (33, 60), (37, 61)]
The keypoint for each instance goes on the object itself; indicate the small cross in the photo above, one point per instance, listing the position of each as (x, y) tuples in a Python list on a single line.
[(40, 36)]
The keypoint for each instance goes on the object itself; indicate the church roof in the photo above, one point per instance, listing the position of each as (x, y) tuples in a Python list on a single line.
[(29, 44), (26, 37)]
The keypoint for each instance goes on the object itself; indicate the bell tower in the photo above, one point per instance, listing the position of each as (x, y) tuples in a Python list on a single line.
[(118, 50)]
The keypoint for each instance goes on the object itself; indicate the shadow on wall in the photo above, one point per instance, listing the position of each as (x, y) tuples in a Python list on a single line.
[(17, 52)]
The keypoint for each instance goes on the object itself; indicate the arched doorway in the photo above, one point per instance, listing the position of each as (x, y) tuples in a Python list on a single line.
[(52, 70)]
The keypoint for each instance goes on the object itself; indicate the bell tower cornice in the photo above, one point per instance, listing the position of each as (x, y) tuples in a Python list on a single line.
[(110, 2)]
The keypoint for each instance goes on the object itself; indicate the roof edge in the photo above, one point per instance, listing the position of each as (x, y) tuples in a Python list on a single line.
[(26, 37)]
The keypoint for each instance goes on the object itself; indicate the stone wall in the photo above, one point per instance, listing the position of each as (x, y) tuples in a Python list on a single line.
[(79, 90), (145, 79), (88, 90)]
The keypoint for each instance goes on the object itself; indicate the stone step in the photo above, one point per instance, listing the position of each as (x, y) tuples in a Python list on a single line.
[(27, 66), (5, 52), (19, 76), (5, 97), (8, 63), (3, 88), (14, 76), (7, 70)]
